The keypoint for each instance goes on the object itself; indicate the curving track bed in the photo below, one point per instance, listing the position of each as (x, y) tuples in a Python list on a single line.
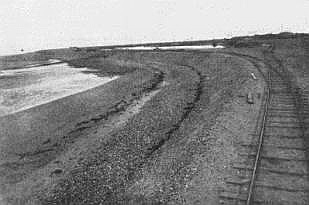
[(142, 145), (275, 170)]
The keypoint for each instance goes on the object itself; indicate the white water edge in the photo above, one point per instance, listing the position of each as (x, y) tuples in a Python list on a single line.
[(21, 89), (172, 47)]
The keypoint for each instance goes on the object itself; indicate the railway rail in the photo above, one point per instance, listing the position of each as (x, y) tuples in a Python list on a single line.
[(274, 169)]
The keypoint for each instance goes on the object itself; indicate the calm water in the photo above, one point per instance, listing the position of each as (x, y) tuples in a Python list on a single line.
[(21, 89), (172, 47)]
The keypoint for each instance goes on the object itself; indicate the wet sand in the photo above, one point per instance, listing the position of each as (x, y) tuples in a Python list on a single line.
[(21, 89)]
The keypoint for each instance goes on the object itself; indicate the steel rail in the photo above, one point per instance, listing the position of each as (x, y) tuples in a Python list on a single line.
[(260, 145)]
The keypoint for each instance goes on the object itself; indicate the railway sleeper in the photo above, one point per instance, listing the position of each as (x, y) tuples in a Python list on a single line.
[(278, 104), (288, 124), (281, 105), (282, 95), (271, 146), (283, 136), (279, 91), (284, 126), (268, 170), (280, 197), (281, 152), (292, 125), (282, 115), (283, 120), (282, 109), (229, 198), (282, 100), (278, 188), (278, 143), (278, 108), (291, 166), (276, 158), (283, 183), (283, 130), (285, 96), (278, 101), (275, 164), (281, 141), (287, 115)]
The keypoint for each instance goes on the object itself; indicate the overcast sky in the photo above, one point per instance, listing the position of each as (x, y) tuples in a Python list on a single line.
[(42, 24)]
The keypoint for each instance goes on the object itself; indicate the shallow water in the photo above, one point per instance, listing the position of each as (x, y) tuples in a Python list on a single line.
[(192, 47), (21, 89), (171, 47)]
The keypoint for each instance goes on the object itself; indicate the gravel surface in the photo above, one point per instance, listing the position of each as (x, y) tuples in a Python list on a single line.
[(166, 132)]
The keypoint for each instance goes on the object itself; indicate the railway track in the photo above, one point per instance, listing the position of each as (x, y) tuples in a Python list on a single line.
[(274, 168)]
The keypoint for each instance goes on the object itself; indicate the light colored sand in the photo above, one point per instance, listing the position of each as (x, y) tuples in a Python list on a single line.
[(29, 87)]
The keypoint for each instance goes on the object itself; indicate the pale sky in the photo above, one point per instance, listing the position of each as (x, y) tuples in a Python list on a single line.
[(42, 24)]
